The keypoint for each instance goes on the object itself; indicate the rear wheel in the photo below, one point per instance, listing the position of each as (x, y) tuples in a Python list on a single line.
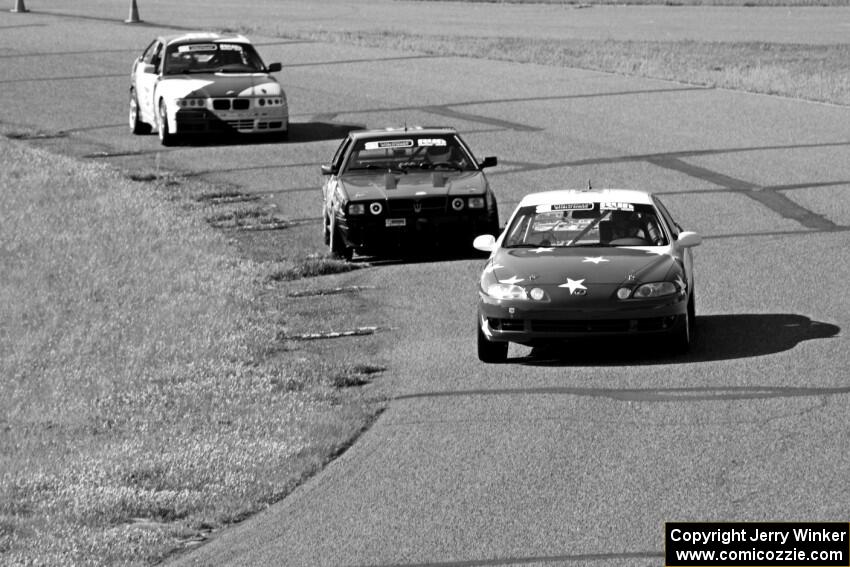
[(136, 124), (491, 352)]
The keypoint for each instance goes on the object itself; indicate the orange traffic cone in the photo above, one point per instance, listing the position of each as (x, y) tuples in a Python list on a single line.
[(19, 7), (134, 14)]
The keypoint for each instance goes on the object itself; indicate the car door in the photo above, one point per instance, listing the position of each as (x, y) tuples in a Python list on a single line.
[(336, 167), (686, 256), (147, 75)]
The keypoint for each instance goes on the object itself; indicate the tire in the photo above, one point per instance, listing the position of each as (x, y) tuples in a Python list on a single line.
[(337, 245), (493, 220), (136, 125), (683, 338), (326, 230), (166, 138), (490, 352)]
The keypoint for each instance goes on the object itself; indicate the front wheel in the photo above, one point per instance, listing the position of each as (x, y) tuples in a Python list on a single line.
[(491, 352), (166, 138), (136, 124), (337, 245), (326, 230), (683, 339)]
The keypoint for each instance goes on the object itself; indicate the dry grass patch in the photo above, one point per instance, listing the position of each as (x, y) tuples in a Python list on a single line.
[(140, 403), (311, 266)]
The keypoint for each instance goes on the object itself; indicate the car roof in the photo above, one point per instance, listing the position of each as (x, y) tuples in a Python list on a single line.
[(395, 132), (213, 37), (586, 196)]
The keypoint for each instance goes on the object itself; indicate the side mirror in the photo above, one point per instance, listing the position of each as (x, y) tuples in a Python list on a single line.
[(688, 239), (148, 68), (485, 242), (328, 169), (274, 68), (489, 161)]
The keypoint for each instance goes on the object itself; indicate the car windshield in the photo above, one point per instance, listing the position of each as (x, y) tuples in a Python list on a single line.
[(586, 224), (408, 152), (212, 58)]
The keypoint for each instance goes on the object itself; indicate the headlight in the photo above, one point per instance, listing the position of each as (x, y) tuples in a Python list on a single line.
[(506, 291), (457, 204), (356, 209), (513, 291), (538, 294), (649, 290), (476, 202), (376, 208)]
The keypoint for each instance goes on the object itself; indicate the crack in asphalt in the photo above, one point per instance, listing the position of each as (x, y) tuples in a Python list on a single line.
[(773, 200), (771, 197)]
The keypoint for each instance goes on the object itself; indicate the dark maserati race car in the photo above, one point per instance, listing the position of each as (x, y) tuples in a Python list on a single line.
[(389, 188), (593, 263)]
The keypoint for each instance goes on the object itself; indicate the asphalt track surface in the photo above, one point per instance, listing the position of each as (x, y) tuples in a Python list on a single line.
[(546, 460)]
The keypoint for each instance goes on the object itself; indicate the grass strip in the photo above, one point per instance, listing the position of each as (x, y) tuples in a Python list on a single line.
[(144, 398)]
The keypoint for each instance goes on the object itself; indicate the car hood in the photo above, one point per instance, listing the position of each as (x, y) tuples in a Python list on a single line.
[(413, 184), (212, 85), (597, 265)]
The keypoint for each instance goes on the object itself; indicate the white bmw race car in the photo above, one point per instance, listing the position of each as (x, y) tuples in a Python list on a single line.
[(201, 83)]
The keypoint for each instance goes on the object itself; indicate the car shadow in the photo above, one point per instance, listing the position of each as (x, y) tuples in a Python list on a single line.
[(719, 337), (303, 132), (299, 133), (423, 255)]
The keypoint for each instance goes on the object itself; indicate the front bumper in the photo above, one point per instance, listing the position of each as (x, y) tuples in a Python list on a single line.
[(249, 121), (529, 322)]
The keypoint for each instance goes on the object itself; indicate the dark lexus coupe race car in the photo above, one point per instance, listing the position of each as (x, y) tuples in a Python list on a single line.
[(593, 263), (389, 188)]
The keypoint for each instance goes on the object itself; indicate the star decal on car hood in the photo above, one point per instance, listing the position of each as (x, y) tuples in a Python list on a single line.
[(574, 285)]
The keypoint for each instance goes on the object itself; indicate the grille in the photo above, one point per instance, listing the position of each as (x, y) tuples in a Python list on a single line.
[(406, 206), (507, 324), (554, 326), (235, 104), (602, 326), (269, 125), (241, 124)]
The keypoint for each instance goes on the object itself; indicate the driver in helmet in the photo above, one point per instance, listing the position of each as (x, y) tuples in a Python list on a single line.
[(625, 224)]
